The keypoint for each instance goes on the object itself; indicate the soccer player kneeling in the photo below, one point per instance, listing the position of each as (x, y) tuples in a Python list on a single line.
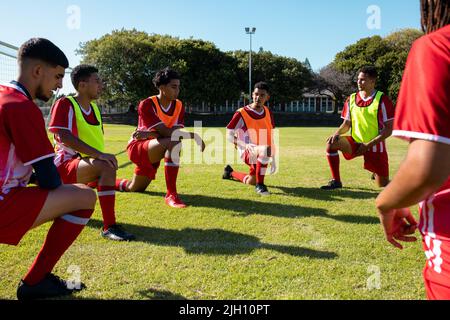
[(251, 130), (24, 146)]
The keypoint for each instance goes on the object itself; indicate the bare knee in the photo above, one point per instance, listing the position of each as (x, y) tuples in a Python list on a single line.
[(85, 196), (332, 147), (251, 181), (104, 169)]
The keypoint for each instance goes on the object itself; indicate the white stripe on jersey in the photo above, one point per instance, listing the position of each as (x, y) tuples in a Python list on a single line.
[(421, 136), (29, 163)]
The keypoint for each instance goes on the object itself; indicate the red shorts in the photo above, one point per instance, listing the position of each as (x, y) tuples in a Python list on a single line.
[(68, 171), (434, 227), (138, 154), (375, 159), (19, 210)]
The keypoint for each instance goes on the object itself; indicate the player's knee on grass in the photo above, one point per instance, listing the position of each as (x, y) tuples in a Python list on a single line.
[(250, 180), (381, 181), (139, 184)]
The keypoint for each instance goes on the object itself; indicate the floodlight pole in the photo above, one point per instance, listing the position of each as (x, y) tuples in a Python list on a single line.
[(250, 31)]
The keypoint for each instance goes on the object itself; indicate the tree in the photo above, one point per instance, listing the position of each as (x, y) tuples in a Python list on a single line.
[(339, 84), (388, 54), (287, 77), (128, 60)]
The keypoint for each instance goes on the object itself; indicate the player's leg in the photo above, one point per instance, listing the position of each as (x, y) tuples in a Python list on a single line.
[(147, 157), (376, 161), (89, 170), (344, 145), (70, 207), (381, 181), (262, 163), (171, 169), (67, 198), (243, 177)]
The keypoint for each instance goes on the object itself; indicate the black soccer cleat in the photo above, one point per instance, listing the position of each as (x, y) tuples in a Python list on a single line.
[(262, 190), (50, 287), (332, 184), (227, 173), (117, 233)]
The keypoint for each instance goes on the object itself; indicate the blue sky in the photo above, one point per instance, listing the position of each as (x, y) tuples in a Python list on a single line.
[(313, 29)]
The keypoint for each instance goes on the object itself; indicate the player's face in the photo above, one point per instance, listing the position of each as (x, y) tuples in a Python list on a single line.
[(171, 90), (365, 83), (50, 80), (260, 97), (94, 86)]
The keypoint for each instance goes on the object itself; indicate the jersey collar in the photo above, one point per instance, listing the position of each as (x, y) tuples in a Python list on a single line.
[(19, 87)]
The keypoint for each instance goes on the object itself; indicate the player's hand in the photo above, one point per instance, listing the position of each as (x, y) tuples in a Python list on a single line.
[(141, 135), (398, 225), (273, 166), (332, 139), (110, 159), (363, 148)]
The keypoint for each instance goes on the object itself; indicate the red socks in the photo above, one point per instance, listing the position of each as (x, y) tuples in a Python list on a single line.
[(61, 235), (107, 199), (260, 172), (171, 172), (121, 185), (333, 161), (239, 176)]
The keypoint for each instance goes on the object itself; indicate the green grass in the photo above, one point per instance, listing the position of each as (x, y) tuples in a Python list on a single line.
[(299, 243)]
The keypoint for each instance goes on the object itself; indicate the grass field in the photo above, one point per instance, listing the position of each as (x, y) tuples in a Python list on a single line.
[(299, 243)]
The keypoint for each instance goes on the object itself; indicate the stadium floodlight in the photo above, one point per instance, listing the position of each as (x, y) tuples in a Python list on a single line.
[(250, 31)]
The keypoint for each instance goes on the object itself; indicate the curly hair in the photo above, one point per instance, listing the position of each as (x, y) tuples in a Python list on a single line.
[(435, 14), (164, 77)]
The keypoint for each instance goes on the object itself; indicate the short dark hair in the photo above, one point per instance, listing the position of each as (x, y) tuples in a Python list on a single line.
[(262, 86), (45, 50), (371, 71), (164, 77), (82, 73)]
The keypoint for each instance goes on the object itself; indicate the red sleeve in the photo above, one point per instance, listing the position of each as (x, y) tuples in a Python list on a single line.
[(423, 108), (345, 111), (26, 126), (387, 110), (234, 121), (148, 118), (272, 119), (180, 121), (62, 116)]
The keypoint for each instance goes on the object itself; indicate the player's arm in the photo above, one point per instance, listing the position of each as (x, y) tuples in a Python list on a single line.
[(75, 143), (344, 128), (384, 134), (176, 134), (425, 169)]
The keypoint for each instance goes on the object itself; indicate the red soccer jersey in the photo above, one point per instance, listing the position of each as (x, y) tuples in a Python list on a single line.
[(423, 112), (63, 117), (386, 110), (23, 139), (148, 116)]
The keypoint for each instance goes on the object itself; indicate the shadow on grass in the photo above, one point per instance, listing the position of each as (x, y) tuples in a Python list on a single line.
[(155, 294), (243, 207), (213, 241), (326, 195)]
